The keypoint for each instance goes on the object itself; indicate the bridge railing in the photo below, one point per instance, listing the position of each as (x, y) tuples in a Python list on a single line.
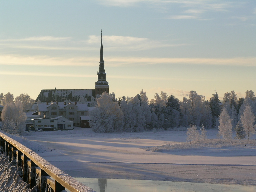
[(36, 171)]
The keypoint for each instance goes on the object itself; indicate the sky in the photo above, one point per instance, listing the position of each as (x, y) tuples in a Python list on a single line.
[(173, 46)]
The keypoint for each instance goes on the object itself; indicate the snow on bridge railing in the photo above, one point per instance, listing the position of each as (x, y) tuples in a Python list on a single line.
[(36, 171)]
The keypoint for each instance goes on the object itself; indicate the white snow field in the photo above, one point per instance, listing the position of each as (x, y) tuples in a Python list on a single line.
[(83, 153)]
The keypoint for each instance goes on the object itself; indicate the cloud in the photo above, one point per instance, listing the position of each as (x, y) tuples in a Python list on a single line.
[(124, 40), (44, 74), (43, 38), (192, 61), (120, 3), (128, 43), (120, 61), (254, 11), (116, 43), (182, 17), (194, 11), (202, 4), (49, 47), (47, 61), (241, 18)]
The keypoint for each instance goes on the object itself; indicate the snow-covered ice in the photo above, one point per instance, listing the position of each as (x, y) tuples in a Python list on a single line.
[(83, 153)]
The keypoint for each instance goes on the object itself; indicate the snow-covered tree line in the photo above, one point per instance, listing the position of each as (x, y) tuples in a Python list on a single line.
[(13, 114), (138, 113)]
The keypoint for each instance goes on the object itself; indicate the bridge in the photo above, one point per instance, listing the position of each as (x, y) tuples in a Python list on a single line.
[(36, 171)]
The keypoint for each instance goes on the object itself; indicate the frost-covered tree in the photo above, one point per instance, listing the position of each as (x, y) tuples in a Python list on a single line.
[(193, 134), (145, 108), (230, 102), (186, 116), (203, 135), (8, 98), (225, 125), (250, 94), (1, 98), (248, 120), (127, 114), (13, 118), (158, 106), (138, 119), (26, 101), (195, 111), (196, 108), (107, 116), (206, 118)]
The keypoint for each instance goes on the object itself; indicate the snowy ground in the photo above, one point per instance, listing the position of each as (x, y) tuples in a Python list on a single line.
[(83, 153)]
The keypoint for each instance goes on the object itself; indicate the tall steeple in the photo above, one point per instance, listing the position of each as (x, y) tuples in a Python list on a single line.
[(101, 67), (101, 85)]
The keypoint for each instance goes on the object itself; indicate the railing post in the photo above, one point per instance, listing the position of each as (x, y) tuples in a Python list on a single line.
[(31, 173), (58, 187), (41, 179), (18, 159), (5, 148), (2, 145), (24, 167), (10, 152), (14, 154)]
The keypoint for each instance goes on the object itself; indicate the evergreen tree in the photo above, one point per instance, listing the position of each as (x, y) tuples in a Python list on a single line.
[(240, 133), (173, 112), (215, 106)]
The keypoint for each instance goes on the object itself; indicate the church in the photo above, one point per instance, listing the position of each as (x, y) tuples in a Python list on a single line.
[(75, 95)]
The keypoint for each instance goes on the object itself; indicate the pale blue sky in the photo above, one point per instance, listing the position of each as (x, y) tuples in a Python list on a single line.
[(155, 45)]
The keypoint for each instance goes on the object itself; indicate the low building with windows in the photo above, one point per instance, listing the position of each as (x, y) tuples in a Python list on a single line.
[(52, 124)]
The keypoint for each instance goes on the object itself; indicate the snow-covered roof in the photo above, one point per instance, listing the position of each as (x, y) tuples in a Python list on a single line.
[(91, 108), (82, 107), (42, 106), (85, 118)]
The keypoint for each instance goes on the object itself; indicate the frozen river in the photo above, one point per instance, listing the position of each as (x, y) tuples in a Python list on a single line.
[(83, 153), (117, 185)]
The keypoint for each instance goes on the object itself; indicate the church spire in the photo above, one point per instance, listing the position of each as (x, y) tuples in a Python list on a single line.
[(101, 38), (101, 51), (101, 85)]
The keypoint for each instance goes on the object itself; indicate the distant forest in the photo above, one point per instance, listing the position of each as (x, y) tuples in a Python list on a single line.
[(138, 113)]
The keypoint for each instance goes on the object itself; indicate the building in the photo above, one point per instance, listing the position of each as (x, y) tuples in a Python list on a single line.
[(52, 124), (73, 111), (72, 104), (75, 95)]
